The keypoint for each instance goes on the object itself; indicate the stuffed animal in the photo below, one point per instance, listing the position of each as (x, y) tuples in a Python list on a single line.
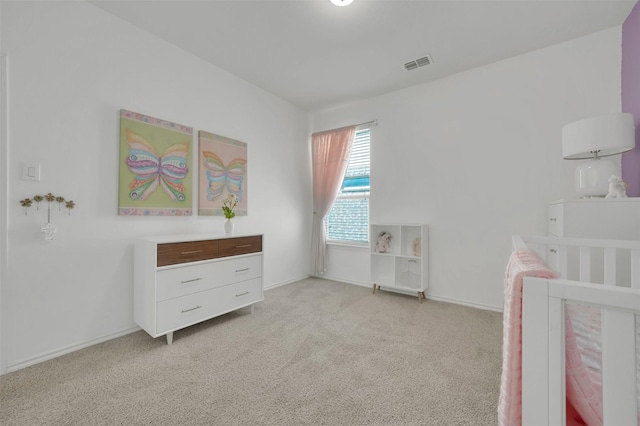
[(617, 188), (384, 242)]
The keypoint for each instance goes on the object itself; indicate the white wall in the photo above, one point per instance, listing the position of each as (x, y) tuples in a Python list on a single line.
[(477, 156), (72, 67)]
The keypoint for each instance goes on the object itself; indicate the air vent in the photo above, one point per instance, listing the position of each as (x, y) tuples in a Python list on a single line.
[(423, 61), (412, 65)]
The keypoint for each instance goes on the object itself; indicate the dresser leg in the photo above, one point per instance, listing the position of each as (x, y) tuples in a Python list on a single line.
[(251, 309), (169, 338), (420, 296), (374, 288)]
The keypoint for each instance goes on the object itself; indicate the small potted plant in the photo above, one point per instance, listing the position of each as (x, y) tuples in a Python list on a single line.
[(227, 208)]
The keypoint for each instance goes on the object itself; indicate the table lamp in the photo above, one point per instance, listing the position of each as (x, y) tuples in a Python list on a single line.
[(594, 138)]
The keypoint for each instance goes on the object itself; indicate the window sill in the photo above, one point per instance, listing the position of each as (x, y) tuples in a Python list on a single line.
[(349, 245)]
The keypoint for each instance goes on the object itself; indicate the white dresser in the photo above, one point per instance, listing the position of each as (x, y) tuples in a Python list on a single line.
[(605, 218), (181, 280)]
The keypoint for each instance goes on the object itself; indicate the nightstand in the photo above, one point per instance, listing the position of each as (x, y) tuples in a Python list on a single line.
[(605, 218), (602, 218)]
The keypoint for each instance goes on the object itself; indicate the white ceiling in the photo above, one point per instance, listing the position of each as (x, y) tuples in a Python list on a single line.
[(317, 55)]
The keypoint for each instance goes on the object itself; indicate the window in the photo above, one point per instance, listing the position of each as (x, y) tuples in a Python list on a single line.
[(348, 219)]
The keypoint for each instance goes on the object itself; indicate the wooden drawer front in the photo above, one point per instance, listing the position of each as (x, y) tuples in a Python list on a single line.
[(244, 245), (185, 280), (191, 251), (555, 223), (187, 310)]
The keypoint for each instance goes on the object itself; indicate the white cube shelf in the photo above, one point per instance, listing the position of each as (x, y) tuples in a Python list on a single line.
[(400, 267)]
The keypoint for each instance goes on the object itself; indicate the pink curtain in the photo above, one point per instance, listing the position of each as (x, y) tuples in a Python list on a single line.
[(330, 156)]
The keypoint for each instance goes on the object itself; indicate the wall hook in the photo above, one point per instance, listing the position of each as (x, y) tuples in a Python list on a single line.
[(48, 230)]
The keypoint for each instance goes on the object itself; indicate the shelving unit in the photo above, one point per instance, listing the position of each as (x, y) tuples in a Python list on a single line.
[(401, 268)]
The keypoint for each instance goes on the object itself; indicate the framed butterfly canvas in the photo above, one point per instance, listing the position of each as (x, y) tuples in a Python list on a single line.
[(222, 169), (155, 167)]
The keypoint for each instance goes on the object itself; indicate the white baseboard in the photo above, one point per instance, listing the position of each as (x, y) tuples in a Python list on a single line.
[(68, 349), (342, 280), (464, 303), (427, 295), (280, 284)]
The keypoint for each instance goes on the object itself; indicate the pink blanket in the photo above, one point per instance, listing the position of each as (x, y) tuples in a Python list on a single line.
[(521, 263), (584, 393)]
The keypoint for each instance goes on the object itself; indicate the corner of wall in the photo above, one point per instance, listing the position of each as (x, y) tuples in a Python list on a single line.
[(630, 92), (4, 178)]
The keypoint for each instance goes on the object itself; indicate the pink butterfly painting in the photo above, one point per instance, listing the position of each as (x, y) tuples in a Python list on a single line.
[(221, 177), (152, 169), (222, 172)]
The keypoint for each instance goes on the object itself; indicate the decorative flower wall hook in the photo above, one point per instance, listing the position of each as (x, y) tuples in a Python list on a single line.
[(49, 197), (69, 205), (26, 203), (48, 230), (37, 199)]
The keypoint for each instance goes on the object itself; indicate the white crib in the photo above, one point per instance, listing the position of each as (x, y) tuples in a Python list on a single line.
[(599, 273)]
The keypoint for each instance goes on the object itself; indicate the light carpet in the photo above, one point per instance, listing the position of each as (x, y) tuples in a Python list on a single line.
[(315, 352)]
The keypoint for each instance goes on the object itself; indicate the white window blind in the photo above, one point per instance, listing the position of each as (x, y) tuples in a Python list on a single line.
[(348, 219)]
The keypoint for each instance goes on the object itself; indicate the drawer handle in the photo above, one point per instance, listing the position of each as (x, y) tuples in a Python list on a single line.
[(552, 219), (242, 294), (244, 245), (553, 250), (190, 281), (192, 309), (242, 270), (191, 252)]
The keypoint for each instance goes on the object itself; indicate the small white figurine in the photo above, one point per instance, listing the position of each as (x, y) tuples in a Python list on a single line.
[(417, 247), (384, 242), (617, 188)]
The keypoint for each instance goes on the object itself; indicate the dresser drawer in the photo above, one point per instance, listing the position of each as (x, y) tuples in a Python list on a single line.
[(184, 280), (187, 310), (555, 214), (190, 251), (243, 245)]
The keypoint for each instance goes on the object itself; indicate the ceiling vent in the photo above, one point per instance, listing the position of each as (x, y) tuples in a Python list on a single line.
[(412, 65)]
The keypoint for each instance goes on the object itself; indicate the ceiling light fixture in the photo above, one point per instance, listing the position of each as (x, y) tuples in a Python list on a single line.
[(342, 2)]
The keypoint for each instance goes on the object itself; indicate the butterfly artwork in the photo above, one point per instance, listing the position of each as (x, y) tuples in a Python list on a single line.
[(221, 177), (152, 170), (155, 162), (222, 173)]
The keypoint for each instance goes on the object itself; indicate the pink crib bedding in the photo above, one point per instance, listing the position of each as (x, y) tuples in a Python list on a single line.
[(582, 329), (521, 263)]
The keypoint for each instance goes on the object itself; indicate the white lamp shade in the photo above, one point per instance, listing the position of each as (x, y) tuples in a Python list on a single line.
[(605, 134)]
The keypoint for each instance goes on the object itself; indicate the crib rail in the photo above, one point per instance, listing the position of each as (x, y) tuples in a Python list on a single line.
[(554, 251), (543, 349), (543, 333)]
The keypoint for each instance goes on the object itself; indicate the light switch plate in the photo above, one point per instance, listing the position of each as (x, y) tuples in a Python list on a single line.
[(30, 172)]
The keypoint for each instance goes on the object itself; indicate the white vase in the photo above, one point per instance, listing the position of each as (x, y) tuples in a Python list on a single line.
[(228, 226)]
